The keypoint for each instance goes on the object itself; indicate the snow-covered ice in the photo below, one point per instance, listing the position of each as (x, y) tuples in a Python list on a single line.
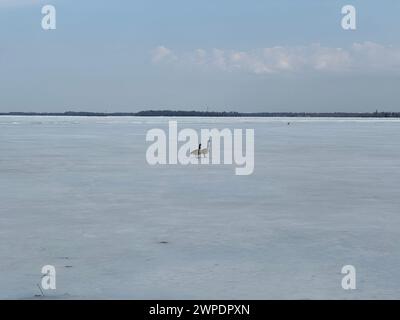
[(78, 194)]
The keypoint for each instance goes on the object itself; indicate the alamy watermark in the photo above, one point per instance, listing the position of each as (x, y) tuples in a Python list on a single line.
[(349, 280), (164, 149), (349, 19), (49, 18), (48, 279)]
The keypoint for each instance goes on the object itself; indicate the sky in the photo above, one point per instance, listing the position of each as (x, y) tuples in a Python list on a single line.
[(222, 55)]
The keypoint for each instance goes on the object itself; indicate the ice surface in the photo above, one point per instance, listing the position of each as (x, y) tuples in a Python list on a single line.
[(78, 194)]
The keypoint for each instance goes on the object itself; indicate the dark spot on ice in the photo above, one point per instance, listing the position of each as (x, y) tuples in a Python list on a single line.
[(68, 266), (164, 242)]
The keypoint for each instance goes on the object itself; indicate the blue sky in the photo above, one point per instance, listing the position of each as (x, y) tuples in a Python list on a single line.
[(221, 55)]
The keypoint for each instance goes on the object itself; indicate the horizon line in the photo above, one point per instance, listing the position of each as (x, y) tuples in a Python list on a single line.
[(194, 113)]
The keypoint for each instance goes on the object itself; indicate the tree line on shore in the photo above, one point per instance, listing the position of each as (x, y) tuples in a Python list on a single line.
[(180, 113)]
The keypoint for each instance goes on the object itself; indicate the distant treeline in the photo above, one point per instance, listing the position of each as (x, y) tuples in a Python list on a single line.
[(171, 113)]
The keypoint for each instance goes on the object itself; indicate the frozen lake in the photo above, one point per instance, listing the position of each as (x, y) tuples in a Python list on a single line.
[(77, 193)]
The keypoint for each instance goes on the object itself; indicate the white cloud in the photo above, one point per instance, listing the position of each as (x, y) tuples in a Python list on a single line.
[(367, 56), (162, 54), (376, 56)]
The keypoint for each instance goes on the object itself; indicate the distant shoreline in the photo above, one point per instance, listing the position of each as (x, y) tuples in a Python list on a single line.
[(170, 113)]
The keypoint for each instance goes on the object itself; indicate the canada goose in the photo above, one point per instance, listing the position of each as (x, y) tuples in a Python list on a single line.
[(198, 152)]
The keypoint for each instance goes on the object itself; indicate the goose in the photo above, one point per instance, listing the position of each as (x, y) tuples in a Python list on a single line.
[(198, 152)]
